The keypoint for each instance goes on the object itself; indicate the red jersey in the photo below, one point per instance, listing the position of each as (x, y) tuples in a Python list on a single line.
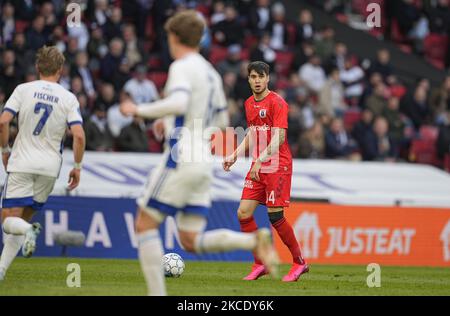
[(262, 116)]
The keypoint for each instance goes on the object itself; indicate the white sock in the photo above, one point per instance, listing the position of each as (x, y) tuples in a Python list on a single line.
[(15, 226), (221, 240), (151, 254), (11, 246)]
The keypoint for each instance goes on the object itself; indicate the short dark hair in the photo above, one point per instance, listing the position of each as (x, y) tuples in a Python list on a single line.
[(260, 67), (187, 26)]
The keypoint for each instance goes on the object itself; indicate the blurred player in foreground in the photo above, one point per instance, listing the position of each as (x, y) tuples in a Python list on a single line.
[(34, 163), (269, 179), (180, 185)]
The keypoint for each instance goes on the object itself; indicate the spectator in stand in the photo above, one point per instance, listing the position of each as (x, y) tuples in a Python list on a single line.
[(57, 38), (10, 74), (440, 18), (24, 9), (97, 45), (229, 82), (396, 121), (47, 10), (107, 97), (377, 144), (443, 141), (7, 24), (313, 74), (141, 89), (228, 31), (23, 55), (382, 64), (111, 62), (259, 18), (377, 102), (337, 59), (98, 135), (338, 143), (100, 12), (440, 102), (71, 51), (76, 85), (264, 52), (36, 37), (81, 33), (65, 79), (242, 88), (312, 143), (305, 28), (302, 54), (307, 112), (134, 48), (352, 77), (113, 26), (218, 14), (325, 42), (133, 137), (82, 70), (406, 14), (279, 27), (331, 97), (362, 127), (416, 107), (233, 61)]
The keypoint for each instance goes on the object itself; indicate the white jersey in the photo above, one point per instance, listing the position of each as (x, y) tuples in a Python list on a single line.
[(44, 110), (206, 108)]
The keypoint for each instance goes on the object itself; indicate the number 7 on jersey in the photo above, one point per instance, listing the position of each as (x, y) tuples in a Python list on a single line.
[(47, 111)]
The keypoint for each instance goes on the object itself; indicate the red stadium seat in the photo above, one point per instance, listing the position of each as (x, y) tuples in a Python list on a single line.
[(159, 78), (351, 117), (217, 54), (435, 47), (423, 151), (283, 63), (428, 132)]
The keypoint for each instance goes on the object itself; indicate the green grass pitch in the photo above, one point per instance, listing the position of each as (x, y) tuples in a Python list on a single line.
[(47, 276)]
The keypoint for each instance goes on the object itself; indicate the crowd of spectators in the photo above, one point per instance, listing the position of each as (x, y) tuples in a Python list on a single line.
[(339, 109)]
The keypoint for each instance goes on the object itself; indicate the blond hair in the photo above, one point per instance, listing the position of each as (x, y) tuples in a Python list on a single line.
[(187, 26), (49, 60)]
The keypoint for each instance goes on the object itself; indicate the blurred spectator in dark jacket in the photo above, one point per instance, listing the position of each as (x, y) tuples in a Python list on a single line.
[(97, 45), (7, 24), (382, 64), (406, 13), (10, 74), (36, 37), (98, 135), (440, 102), (278, 27), (443, 141), (337, 58), (416, 107), (377, 102), (98, 13), (259, 18), (23, 55), (324, 44), (134, 47), (302, 54), (111, 62), (339, 144), (133, 137), (363, 126), (440, 18), (107, 97), (82, 70), (264, 52), (71, 52), (305, 27), (47, 10), (377, 144), (24, 9), (113, 26), (233, 61), (395, 120), (312, 143), (228, 31), (242, 90)]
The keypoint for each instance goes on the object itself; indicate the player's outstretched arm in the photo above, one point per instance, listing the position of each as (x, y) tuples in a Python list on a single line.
[(175, 104), (5, 119), (79, 143)]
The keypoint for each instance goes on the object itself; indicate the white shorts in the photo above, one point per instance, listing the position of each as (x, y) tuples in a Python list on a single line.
[(26, 189), (184, 190)]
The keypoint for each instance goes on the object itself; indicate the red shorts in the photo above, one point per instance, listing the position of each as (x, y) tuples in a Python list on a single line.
[(272, 189)]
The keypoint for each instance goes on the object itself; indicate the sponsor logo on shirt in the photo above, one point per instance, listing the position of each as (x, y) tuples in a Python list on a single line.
[(263, 128)]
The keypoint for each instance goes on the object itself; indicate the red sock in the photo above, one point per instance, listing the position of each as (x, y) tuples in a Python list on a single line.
[(286, 233), (248, 225)]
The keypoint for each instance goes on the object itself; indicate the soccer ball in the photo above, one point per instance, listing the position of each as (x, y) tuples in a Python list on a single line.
[(173, 265)]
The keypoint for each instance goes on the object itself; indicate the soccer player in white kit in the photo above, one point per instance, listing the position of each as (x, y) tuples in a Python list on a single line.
[(44, 109), (180, 185)]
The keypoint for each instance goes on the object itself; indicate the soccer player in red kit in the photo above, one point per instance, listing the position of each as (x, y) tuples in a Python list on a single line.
[(269, 180)]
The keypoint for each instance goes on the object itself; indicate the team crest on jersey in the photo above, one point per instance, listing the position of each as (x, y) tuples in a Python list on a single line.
[(262, 113)]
